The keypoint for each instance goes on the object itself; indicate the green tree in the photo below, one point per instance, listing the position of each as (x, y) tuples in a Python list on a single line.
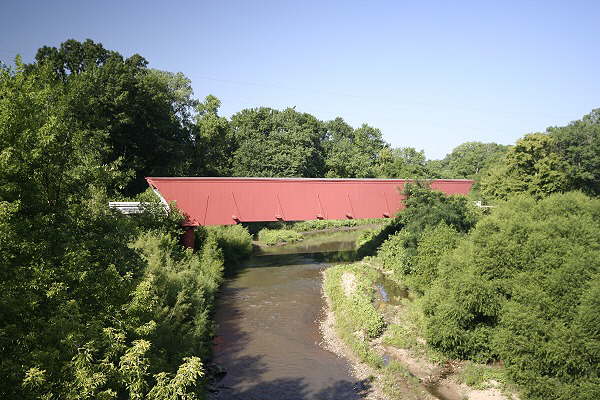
[(145, 113), (62, 258), (521, 288), (82, 313), (403, 162), (425, 210), (565, 158), (352, 153), (213, 142), (470, 159), (533, 165), (578, 145), (274, 143)]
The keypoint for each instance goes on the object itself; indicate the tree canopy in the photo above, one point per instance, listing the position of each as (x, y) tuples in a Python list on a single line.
[(404, 163), (269, 142), (145, 113), (352, 153), (470, 159), (562, 159)]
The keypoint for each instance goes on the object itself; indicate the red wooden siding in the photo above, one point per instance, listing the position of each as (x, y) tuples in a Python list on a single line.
[(225, 201)]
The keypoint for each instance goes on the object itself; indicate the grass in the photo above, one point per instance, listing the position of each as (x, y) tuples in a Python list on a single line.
[(272, 237), (399, 336), (314, 225), (479, 376), (357, 321), (408, 330), (397, 380)]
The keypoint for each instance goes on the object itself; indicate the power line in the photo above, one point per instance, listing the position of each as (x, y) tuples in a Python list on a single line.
[(390, 105)]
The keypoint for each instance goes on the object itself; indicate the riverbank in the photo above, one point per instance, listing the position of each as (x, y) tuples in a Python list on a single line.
[(277, 238), (373, 322)]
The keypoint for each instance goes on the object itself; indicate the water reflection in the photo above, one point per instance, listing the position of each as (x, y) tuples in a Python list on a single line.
[(389, 291), (272, 260)]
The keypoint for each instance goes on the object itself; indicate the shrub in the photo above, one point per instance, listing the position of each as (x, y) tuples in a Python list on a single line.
[(175, 296), (524, 287), (271, 237), (427, 208), (393, 256), (234, 241), (433, 244), (429, 226), (424, 208), (354, 311), (369, 241)]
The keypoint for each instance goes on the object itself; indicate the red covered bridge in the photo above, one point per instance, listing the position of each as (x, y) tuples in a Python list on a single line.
[(225, 201)]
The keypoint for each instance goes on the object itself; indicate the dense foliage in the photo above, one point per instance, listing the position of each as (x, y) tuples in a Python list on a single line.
[(518, 286), (562, 159), (471, 159), (405, 163), (234, 240), (352, 153), (93, 304), (145, 114), (424, 208), (276, 143), (522, 288)]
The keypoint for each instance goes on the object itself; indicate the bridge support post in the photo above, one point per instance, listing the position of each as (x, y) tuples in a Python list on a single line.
[(188, 237)]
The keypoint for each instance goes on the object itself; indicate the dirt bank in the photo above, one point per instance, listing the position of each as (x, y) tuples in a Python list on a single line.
[(417, 377)]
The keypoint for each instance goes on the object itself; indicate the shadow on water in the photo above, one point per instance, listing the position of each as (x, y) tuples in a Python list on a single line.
[(285, 259), (268, 336)]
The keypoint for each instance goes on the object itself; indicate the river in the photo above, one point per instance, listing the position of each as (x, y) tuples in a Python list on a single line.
[(268, 338)]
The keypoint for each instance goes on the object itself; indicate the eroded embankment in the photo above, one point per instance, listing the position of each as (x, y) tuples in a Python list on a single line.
[(372, 321)]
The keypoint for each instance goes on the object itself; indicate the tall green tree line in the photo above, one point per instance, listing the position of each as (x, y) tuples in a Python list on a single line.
[(155, 127)]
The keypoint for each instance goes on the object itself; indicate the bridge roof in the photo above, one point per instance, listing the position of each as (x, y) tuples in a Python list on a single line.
[(226, 201)]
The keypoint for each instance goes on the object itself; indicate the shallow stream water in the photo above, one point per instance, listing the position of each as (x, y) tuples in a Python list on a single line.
[(268, 338)]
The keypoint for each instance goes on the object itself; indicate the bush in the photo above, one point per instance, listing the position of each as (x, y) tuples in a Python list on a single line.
[(427, 208), (234, 241), (170, 306), (430, 225), (424, 208), (393, 256), (433, 244), (524, 287), (369, 241), (271, 237)]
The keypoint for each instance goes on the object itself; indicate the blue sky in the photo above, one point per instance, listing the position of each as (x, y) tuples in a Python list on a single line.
[(429, 74)]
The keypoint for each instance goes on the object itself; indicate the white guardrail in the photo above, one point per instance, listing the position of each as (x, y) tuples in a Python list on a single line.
[(132, 207)]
